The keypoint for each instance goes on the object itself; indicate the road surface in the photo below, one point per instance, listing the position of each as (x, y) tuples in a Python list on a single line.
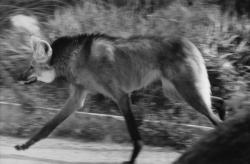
[(66, 151)]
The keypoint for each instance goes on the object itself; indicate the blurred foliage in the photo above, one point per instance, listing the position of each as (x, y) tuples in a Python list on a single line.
[(223, 39)]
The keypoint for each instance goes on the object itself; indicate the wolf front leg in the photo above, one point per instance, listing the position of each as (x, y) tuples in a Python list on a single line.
[(125, 106), (74, 102)]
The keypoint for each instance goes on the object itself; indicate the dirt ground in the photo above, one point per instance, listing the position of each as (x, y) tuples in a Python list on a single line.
[(66, 151)]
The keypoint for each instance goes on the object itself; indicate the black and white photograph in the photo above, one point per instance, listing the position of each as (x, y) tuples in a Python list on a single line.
[(124, 82)]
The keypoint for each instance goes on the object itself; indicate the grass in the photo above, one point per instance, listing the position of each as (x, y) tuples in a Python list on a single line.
[(201, 24)]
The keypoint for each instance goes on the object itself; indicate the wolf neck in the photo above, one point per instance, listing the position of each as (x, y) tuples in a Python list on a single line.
[(70, 49), (61, 56)]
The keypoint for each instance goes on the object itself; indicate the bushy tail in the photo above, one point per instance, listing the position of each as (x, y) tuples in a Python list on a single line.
[(17, 37), (28, 24)]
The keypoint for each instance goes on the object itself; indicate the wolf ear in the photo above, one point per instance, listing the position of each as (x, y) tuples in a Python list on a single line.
[(42, 50)]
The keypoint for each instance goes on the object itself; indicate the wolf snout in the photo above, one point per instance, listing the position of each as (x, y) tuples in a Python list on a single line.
[(26, 78)]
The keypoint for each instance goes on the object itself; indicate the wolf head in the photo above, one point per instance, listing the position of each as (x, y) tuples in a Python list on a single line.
[(40, 69)]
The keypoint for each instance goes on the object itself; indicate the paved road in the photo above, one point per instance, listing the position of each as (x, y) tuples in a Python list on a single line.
[(65, 151)]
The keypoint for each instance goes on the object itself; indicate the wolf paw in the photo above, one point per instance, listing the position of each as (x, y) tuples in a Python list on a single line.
[(21, 147), (128, 162)]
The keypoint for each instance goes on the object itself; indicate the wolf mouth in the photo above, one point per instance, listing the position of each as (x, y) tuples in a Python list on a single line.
[(30, 80)]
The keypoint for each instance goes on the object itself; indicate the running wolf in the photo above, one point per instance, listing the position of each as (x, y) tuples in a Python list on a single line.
[(114, 67)]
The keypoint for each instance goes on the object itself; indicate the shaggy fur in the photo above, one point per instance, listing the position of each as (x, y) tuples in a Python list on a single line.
[(115, 67)]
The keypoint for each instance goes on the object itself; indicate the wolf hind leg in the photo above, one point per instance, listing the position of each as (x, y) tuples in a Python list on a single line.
[(123, 102), (125, 106), (193, 93), (170, 91)]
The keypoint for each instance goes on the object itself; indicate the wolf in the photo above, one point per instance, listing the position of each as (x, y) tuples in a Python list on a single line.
[(116, 66), (229, 143)]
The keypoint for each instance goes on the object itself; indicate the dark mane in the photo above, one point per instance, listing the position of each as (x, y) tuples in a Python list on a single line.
[(86, 40), (80, 39), (64, 45), (94, 36), (86, 37)]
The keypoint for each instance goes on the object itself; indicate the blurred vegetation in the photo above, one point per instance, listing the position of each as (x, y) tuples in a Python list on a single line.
[(219, 28)]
